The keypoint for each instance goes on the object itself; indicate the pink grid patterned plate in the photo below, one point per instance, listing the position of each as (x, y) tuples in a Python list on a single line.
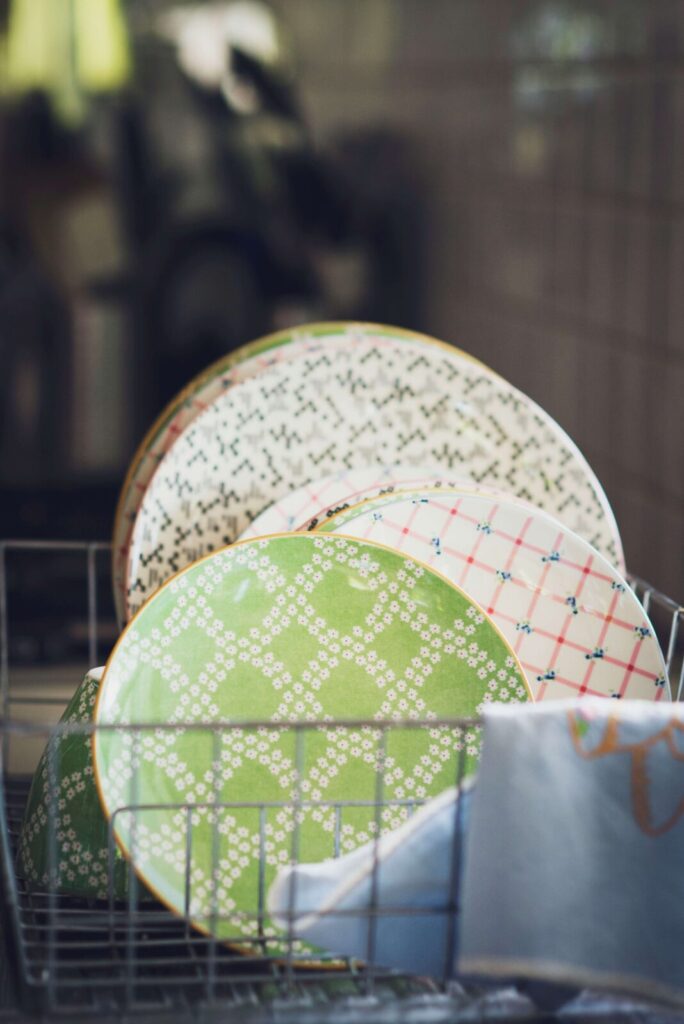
[(304, 508), (571, 618)]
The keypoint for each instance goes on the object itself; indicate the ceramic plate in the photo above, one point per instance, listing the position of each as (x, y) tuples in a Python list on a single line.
[(305, 507), (290, 628), (81, 866), (364, 400), (574, 623), (401, 489), (241, 364)]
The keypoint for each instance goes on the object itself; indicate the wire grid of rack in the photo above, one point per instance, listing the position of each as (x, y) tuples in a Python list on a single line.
[(70, 956)]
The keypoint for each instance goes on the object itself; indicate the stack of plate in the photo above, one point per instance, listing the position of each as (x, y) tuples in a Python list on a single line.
[(342, 524)]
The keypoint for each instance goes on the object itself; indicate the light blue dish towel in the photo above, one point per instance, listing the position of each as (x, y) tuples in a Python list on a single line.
[(574, 867), (418, 868)]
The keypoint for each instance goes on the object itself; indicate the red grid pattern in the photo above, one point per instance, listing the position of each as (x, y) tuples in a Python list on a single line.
[(617, 615)]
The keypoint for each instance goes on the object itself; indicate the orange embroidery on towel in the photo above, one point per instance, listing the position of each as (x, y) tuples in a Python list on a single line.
[(639, 773)]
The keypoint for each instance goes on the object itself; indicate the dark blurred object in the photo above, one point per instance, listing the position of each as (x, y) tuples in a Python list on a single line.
[(151, 224), (33, 383), (205, 292), (384, 224), (67, 381), (34, 342), (58, 602), (233, 239)]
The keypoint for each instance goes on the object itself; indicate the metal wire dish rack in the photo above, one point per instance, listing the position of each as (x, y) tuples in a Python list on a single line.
[(66, 956)]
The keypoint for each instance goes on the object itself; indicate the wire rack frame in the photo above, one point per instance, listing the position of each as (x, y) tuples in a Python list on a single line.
[(74, 956), (76, 951)]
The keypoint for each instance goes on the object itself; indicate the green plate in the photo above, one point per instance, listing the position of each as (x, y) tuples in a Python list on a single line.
[(285, 629), (81, 853)]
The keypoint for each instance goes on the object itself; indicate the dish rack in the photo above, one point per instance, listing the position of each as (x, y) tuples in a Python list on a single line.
[(69, 958)]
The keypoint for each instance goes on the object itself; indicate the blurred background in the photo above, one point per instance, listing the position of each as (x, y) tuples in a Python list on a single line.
[(179, 178)]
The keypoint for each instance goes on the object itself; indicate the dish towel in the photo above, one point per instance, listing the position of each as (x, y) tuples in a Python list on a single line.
[(575, 851), (417, 874)]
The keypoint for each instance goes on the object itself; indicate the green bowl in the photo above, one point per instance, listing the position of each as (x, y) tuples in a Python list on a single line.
[(80, 863)]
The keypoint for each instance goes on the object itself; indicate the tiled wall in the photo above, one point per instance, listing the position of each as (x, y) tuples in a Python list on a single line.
[(551, 134)]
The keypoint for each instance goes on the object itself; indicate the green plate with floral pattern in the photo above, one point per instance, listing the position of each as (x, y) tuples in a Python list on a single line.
[(284, 629)]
